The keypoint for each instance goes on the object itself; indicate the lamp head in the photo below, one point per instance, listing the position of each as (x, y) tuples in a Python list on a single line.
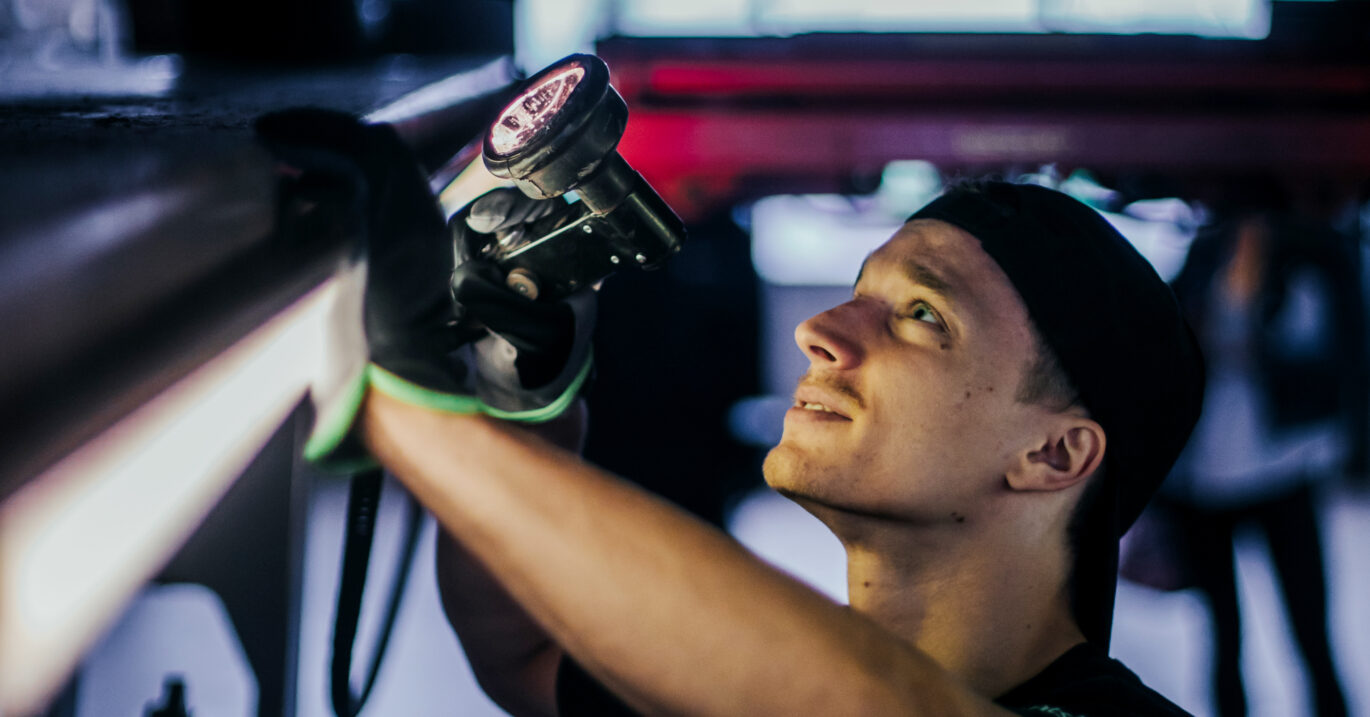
[(560, 133), (558, 130)]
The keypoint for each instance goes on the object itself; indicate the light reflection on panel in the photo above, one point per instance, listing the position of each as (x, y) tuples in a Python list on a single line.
[(78, 541)]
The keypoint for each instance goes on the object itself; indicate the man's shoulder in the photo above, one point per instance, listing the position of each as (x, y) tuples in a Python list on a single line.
[(1086, 682)]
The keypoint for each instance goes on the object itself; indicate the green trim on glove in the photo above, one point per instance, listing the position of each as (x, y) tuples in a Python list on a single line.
[(556, 407), (330, 431), (412, 393), (392, 385)]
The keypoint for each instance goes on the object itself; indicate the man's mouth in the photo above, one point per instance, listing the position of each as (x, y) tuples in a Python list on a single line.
[(814, 407), (817, 410), (822, 396)]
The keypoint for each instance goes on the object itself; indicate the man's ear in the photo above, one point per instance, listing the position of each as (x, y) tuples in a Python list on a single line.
[(1069, 453)]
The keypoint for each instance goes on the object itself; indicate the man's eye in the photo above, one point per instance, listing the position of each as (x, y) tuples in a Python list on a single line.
[(920, 311)]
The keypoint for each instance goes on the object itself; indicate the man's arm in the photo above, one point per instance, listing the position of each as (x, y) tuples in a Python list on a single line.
[(512, 657), (667, 611)]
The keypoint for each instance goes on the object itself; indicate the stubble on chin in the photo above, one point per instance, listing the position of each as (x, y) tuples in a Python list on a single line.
[(777, 465), (787, 470), (790, 473)]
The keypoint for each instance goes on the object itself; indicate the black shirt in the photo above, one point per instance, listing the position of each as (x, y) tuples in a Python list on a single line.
[(1084, 682)]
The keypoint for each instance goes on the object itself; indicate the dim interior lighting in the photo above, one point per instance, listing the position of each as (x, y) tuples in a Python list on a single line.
[(78, 541)]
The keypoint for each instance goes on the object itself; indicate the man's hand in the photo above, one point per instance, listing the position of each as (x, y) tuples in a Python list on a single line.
[(400, 320), (532, 357)]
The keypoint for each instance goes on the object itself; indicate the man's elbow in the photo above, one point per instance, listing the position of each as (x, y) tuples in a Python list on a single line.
[(523, 689), (512, 658)]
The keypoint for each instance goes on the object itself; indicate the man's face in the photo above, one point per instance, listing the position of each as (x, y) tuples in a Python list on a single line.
[(908, 408)]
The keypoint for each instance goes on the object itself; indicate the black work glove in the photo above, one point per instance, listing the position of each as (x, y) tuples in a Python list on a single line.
[(397, 313), (531, 358)]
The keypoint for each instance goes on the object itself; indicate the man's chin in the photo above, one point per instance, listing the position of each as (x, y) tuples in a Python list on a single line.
[(788, 472), (780, 467), (815, 488)]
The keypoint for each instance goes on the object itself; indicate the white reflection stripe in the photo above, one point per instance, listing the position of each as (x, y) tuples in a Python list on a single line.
[(77, 542)]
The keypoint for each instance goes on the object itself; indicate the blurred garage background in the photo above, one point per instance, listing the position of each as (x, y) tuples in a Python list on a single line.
[(163, 546)]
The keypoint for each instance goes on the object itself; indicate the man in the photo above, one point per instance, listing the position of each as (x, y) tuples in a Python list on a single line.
[(940, 433), (980, 422)]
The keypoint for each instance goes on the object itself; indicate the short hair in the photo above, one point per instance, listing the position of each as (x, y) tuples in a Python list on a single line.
[(1044, 382)]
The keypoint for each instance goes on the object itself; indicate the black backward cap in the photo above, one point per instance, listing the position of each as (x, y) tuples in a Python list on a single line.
[(1119, 335)]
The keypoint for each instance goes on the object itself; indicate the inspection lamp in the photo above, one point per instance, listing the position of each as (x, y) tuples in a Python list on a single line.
[(560, 134)]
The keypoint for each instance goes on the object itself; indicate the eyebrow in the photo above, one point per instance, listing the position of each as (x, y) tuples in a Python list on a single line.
[(927, 276), (920, 274)]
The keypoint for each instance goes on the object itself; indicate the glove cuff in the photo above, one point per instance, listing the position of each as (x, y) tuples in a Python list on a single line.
[(549, 402), (340, 387), (412, 393), (395, 386), (331, 445), (499, 382)]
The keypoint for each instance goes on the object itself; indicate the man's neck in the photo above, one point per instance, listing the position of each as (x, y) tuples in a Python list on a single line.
[(994, 613)]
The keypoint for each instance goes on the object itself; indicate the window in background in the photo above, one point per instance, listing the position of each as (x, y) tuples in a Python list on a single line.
[(547, 30), (1248, 19)]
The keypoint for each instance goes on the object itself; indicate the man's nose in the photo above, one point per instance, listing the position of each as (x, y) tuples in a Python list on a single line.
[(830, 338)]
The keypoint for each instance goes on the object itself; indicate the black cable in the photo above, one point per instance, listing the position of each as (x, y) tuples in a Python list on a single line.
[(362, 502)]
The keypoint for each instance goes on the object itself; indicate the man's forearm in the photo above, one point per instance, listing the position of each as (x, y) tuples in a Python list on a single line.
[(669, 612), (513, 658)]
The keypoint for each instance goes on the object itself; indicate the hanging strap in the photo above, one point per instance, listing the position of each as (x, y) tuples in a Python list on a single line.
[(363, 500)]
